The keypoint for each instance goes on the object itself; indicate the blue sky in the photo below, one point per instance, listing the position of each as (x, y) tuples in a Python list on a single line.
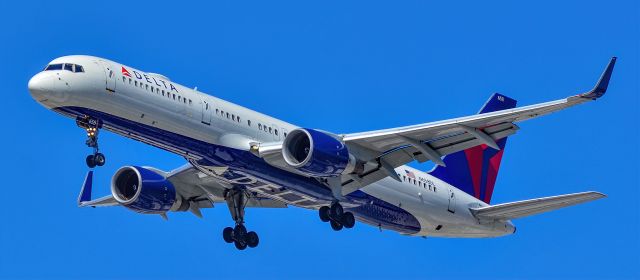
[(342, 67)]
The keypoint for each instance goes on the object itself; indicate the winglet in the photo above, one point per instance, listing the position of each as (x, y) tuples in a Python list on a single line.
[(85, 192), (601, 87)]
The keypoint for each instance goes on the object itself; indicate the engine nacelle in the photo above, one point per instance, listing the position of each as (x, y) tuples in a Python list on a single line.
[(316, 153), (143, 190)]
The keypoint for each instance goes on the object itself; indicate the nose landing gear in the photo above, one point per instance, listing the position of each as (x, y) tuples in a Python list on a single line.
[(337, 217), (92, 126)]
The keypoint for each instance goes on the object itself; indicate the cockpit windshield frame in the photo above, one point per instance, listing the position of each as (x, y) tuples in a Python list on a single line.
[(75, 68)]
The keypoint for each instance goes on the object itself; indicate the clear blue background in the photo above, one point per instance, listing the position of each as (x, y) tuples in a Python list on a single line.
[(343, 67)]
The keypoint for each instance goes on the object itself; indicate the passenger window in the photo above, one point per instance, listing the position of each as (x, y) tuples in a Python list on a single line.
[(227, 115), (276, 131), (124, 79), (129, 80), (259, 126), (233, 117), (174, 96), (135, 83), (146, 87), (238, 119), (151, 89), (189, 102), (285, 134), (269, 129), (68, 66)]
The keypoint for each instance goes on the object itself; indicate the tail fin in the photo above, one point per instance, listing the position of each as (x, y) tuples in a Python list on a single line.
[(474, 170)]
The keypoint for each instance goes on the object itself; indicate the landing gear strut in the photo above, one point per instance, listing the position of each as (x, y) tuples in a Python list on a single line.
[(336, 216), (238, 235), (92, 126)]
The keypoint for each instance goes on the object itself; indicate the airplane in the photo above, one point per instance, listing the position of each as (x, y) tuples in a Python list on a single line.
[(242, 158)]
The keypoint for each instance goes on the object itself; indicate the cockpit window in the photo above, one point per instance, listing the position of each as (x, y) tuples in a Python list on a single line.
[(53, 67), (66, 66)]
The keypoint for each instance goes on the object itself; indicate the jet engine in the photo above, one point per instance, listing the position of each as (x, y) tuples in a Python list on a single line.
[(143, 190), (317, 153)]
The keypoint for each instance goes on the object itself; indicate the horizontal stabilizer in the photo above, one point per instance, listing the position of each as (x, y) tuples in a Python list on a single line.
[(84, 199), (519, 209)]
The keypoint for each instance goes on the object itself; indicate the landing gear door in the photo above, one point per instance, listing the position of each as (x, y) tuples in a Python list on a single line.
[(452, 201), (206, 112), (110, 76)]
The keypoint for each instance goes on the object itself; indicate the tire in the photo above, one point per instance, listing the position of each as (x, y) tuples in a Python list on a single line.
[(227, 235), (337, 211), (348, 220), (252, 239), (91, 163), (240, 233), (240, 245), (324, 213), (335, 225), (99, 159)]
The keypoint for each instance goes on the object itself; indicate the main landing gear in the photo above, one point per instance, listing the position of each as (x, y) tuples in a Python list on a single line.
[(92, 126), (238, 235), (336, 216)]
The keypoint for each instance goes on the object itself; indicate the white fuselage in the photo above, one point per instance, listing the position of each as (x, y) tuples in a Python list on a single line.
[(155, 101)]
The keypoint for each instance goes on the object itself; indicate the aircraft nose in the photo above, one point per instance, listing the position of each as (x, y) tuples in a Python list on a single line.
[(40, 85)]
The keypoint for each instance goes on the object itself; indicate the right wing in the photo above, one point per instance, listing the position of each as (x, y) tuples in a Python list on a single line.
[(390, 148), (519, 209)]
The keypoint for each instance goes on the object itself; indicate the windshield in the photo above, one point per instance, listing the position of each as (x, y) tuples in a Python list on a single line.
[(66, 66)]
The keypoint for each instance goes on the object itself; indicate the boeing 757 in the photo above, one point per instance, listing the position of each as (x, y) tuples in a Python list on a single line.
[(242, 158)]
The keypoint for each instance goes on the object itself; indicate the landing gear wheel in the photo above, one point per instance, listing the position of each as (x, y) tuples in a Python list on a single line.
[(240, 245), (92, 127), (227, 235), (324, 213), (335, 225), (336, 210), (91, 162), (237, 198), (239, 232), (99, 159), (348, 220), (252, 239)]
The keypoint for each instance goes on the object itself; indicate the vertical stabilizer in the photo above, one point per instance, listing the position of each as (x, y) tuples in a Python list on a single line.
[(475, 170)]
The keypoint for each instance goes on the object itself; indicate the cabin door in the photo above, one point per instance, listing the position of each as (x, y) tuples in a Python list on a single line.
[(452, 201), (110, 76), (206, 112)]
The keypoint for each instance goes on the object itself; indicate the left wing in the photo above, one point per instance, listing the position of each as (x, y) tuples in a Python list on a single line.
[(390, 148), (195, 187)]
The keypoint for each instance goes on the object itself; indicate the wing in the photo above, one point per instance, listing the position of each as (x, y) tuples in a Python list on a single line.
[(196, 188), (390, 148), (519, 209)]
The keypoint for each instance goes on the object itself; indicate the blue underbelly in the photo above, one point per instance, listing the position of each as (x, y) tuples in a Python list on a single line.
[(372, 210)]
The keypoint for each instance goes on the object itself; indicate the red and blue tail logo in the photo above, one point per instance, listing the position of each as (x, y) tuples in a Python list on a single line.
[(475, 170)]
